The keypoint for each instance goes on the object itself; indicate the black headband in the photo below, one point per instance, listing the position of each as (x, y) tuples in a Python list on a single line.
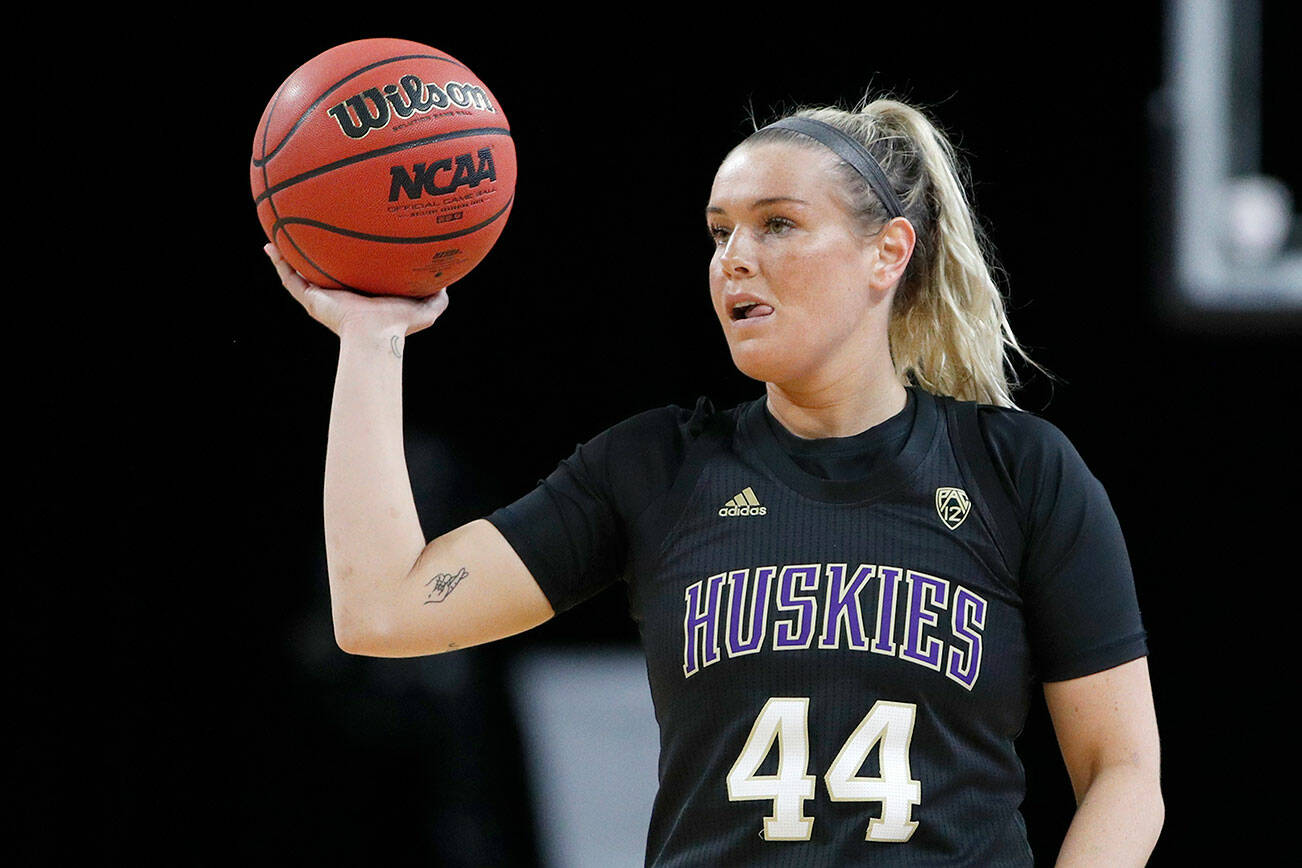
[(850, 150)]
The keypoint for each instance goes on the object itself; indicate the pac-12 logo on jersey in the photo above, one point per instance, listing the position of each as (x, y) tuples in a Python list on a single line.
[(953, 505)]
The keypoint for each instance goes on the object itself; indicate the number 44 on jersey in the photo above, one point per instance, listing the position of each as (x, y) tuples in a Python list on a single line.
[(786, 721)]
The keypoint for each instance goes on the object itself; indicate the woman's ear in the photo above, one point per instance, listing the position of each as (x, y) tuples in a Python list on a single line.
[(895, 247)]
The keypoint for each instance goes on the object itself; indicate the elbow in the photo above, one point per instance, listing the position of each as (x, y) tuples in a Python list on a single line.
[(359, 625), (1158, 808), (368, 643), (1154, 803), (352, 639), (357, 633), (1152, 817), (370, 635), (1139, 787), (354, 642)]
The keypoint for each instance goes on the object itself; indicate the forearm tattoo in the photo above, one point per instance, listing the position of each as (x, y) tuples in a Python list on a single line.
[(443, 584), (395, 344)]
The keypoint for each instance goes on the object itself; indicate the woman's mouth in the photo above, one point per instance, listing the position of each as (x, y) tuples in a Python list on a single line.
[(750, 310)]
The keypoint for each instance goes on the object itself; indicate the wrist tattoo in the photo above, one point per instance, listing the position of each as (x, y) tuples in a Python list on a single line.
[(443, 584), (395, 344)]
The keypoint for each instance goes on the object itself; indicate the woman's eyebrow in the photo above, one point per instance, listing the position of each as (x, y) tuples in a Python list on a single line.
[(759, 203)]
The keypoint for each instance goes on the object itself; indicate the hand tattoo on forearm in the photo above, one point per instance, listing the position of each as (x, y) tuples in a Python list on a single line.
[(443, 584)]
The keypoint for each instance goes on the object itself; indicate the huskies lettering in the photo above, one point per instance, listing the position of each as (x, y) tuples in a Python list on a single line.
[(896, 612), (372, 108), (423, 178)]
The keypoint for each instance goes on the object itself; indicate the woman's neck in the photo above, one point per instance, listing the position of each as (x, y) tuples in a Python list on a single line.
[(836, 409)]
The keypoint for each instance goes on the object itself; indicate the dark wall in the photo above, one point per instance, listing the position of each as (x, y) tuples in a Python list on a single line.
[(233, 726)]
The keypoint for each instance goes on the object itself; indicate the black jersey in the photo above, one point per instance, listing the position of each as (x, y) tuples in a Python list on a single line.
[(841, 635)]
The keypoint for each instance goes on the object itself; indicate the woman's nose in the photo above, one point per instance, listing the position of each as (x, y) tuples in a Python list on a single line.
[(737, 258)]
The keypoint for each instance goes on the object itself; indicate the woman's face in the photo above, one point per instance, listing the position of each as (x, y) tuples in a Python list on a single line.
[(791, 281)]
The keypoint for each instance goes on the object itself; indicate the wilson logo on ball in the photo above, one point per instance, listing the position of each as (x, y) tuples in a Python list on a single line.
[(423, 177), (372, 109)]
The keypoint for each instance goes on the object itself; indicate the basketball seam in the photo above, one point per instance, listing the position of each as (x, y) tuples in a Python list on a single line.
[(378, 152), (385, 239), (277, 228)]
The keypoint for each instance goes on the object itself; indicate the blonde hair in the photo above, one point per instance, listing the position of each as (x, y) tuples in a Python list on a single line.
[(949, 332)]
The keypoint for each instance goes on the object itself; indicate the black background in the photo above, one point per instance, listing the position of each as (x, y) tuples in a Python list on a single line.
[(221, 721)]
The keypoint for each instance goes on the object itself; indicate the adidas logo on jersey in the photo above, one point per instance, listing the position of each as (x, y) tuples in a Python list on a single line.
[(745, 503)]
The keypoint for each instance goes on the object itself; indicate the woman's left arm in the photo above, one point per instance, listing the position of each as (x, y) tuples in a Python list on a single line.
[(1107, 730)]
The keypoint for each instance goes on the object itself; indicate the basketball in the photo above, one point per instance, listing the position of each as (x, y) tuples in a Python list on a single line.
[(383, 166)]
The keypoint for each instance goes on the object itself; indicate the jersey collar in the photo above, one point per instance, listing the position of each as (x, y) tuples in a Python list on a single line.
[(890, 471)]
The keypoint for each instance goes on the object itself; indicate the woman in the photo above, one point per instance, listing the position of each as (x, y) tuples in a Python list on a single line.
[(846, 588)]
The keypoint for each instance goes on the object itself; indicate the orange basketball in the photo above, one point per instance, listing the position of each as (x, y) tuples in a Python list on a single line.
[(383, 166)]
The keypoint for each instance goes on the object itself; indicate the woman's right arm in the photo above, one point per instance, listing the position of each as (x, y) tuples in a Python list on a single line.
[(391, 593)]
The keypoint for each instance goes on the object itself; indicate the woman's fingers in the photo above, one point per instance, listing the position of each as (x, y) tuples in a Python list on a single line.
[(429, 309), (315, 300), (292, 280), (332, 307)]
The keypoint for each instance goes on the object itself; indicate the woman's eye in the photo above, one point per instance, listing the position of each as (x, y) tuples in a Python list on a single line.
[(772, 226), (778, 225)]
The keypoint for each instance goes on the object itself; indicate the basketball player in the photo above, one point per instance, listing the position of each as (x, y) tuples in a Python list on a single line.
[(847, 588)]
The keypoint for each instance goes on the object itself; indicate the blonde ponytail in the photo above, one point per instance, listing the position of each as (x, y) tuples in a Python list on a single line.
[(949, 332)]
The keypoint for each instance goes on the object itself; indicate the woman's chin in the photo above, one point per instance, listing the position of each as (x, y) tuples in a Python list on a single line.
[(760, 365)]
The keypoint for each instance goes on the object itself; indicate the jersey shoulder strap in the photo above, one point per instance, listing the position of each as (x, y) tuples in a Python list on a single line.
[(989, 493), (705, 433), (708, 431)]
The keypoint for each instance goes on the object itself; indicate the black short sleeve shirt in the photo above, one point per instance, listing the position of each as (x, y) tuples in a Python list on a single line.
[(815, 592)]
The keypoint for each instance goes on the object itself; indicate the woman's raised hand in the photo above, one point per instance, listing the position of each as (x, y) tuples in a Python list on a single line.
[(340, 309)]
